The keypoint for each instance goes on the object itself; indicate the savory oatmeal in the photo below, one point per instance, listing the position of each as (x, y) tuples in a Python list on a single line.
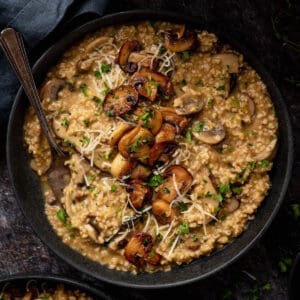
[(170, 136)]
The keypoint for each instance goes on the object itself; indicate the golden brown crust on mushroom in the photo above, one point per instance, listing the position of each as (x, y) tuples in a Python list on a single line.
[(162, 211), (166, 148), (170, 116), (166, 133), (51, 88)]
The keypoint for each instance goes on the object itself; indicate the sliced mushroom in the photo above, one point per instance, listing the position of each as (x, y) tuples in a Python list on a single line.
[(143, 59), (176, 180), (164, 148), (138, 250), (140, 172), (121, 129), (136, 143), (250, 103), (230, 61), (120, 100), (268, 153), (190, 102), (209, 132), (229, 206), (151, 84), (166, 133), (193, 243), (98, 42), (179, 42), (123, 57), (162, 211), (207, 181), (120, 166), (139, 193), (170, 116), (51, 88), (92, 232), (150, 118)]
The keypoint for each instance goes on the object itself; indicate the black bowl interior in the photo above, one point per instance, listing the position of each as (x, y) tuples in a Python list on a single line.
[(28, 189), (44, 282)]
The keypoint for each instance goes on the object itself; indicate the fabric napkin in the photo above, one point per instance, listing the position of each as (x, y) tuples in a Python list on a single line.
[(36, 20)]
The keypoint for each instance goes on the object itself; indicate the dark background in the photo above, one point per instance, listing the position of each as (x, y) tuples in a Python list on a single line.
[(263, 272)]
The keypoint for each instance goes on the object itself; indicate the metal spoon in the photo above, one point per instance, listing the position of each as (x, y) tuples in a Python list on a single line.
[(12, 45)]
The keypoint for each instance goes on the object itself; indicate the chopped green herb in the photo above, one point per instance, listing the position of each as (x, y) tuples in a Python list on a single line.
[(97, 74), (162, 50), (220, 88), (85, 140), (267, 286), (65, 123), (252, 164), (284, 264), (227, 294), (159, 237), (237, 189), (110, 113), (224, 188), (97, 100), (185, 55), (61, 215), (166, 190), (86, 122), (208, 194), (148, 90), (105, 68), (218, 197), (182, 206), (184, 228), (146, 241), (114, 188), (254, 133), (296, 210), (200, 83), (188, 136), (155, 181), (151, 254), (198, 127), (84, 89), (62, 110), (264, 164), (44, 297), (210, 102), (106, 90), (183, 82), (158, 39), (195, 238)]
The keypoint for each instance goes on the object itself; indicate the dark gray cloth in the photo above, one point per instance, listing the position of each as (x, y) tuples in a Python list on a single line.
[(36, 19)]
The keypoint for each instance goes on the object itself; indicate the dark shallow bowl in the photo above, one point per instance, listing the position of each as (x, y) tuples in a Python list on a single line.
[(28, 189), (49, 281)]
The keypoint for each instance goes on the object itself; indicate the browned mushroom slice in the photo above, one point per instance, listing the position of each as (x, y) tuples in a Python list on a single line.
[(143, 59), (230, 61), (250, 103), (120, 166), (189, 103), (176, 179), (229, 206), (128, 47), (138, 251), (121, 129), (140, 172), (120, 100), (268, 153), (170, 116), (166, 133), (149, 117), (162, 211), (164, 148), (151, 84), (51, 88), (176, 42), (139, 193), (136, 144), (208, 131)]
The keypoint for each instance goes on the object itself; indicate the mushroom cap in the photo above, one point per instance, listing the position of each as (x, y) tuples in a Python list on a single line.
[(190, 102)]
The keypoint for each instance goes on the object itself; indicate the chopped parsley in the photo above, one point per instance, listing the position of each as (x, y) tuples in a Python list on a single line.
[(252, 164), (84, 89), (106, 90), (220, 88), (284, 264), (65, 123), (85, 140), (114, 188), (200, 83), (237, 189), (97, 100), (210, 102), (296, 210), (62, 216), (146, 241), (224, 188), (183, 82), (97, 74), (166, 190), (184, 228), (198, 127), (162, 50), (44, 297), (218, 197), (72, 236), (148, 90), (188, 136), (158, 39), (264, 163), (110, 113), (155, 181), (195, 238), (86, 122), (159, 237), (185, 55), (151, 254), (105, 68), (182, 206), (267, 286)]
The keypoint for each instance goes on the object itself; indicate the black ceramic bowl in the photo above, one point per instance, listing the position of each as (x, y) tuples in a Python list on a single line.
[(44, 282), (28, 189)]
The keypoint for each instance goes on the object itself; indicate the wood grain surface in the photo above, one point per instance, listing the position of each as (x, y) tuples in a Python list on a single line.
[(257, 275)]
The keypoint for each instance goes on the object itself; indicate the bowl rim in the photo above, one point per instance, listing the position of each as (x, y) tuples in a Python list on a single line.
[(82, 286), (139, 15)]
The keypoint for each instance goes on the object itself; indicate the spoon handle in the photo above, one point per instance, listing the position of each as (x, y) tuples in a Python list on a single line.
[(12, 45)]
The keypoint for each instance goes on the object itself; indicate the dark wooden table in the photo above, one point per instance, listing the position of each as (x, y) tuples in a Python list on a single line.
[(263, 271)]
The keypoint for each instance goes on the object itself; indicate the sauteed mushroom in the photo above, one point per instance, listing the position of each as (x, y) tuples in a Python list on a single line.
[(121, 129), (162, 211), (230, 61), (120, 100), (170, 116), (166, 133), (138, 251), (190, 102), (250, 103), (139, 193), (268, 152), (123, 58), (176, 179), (151, 84), (136, 143), (120, 166), (161, 149), (51, 88), (208, 131), (140, 172), (180, 40)]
